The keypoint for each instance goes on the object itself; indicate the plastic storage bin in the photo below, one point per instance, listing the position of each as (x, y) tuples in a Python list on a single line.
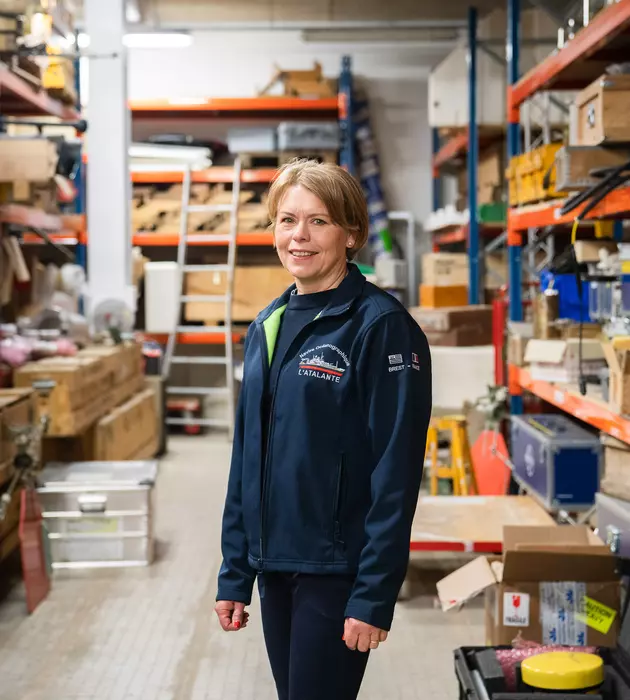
[(569, 300), (318, 136)]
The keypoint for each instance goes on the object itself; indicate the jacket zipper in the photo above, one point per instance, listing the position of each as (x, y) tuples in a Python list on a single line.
[(266, 463), (338, 500)]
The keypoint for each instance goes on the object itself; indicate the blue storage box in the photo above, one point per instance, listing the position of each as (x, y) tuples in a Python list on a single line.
[(568, 297), (556, 461)]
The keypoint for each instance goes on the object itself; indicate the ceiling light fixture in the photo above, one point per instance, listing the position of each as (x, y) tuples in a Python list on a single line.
[(157, 40)]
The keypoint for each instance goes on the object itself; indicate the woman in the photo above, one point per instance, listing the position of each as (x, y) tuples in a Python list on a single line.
[(328, 448)]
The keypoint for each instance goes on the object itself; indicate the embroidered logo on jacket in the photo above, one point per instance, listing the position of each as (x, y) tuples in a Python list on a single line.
[(325, 362)]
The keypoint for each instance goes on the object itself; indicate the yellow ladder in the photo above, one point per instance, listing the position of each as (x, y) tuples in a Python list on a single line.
[(460, 470)]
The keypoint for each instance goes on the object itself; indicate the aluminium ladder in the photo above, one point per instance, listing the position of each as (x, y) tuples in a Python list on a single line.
[(227, 360)]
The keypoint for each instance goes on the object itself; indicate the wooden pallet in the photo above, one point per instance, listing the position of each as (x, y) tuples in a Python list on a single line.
[(275, 159)]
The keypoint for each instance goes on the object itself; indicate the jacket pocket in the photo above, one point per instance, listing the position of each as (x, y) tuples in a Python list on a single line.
[(339, 502)]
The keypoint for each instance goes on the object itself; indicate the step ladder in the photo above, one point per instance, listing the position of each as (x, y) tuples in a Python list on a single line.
[(226, 360), (460, 471)]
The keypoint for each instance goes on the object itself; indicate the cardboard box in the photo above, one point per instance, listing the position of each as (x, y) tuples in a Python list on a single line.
[(517, 345), (439, 297), (602, 109), (27, 159), (552, 585), (445, 270), (575, 163), (254, 288), (589, 251), (619, 365), (558, 360), (616, 479), (546, 312), (456, 327)]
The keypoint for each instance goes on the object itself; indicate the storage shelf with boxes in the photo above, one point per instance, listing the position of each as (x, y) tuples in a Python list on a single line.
[(584, 186)]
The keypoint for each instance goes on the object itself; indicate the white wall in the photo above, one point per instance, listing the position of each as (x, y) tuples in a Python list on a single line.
[(231, 64)]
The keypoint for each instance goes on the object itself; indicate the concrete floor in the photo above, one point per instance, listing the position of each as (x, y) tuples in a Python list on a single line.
[(151, 634)]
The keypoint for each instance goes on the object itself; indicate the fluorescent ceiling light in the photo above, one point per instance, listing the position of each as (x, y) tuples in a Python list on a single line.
[(157, 40), (147, 40)]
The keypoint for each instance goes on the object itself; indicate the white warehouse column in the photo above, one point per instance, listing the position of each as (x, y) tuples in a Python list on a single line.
[(108, 185)]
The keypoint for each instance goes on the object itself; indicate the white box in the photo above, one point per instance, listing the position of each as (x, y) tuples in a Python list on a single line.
[(461, 375), (162, 290)]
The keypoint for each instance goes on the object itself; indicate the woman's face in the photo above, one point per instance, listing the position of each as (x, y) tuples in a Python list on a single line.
[(310, 246)]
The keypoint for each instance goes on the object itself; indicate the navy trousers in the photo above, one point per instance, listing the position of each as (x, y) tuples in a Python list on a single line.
[(303, 619)]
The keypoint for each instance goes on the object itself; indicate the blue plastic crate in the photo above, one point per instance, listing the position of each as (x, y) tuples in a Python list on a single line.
[(569, 299)]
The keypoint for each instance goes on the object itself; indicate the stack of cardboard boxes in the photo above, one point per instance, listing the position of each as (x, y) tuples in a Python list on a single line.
[(444, 280), (553, 585)]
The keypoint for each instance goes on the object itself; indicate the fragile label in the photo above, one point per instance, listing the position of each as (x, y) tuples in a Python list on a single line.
[(516, 610), (597, 615)]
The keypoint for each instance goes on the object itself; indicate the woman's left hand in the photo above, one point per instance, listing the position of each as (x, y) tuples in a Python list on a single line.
[(361, 636)]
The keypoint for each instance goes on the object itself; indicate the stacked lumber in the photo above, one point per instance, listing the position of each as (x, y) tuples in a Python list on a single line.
[(159, 210)]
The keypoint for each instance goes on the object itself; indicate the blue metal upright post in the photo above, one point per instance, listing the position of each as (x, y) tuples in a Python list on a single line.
[(346, 110), (437, 181), (473, 162), (514, 244), (79, 203)]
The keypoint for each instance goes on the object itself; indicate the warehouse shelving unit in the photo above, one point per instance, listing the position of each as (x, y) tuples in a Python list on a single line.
[(467, 144), (19, 99), (604, 41), (260, 109)]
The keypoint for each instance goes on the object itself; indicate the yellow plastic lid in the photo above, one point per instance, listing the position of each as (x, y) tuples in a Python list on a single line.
[(563, 670)]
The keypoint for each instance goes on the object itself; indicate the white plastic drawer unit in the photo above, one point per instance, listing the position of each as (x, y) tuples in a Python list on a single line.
[(99, 514)]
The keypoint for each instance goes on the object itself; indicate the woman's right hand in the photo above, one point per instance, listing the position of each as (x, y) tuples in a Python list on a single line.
[(232, 615)]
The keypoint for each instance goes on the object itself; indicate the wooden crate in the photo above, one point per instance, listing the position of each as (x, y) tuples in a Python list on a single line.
[(12, 517), (603, 111), (17, 407), (255, 287), (87, 386), (275, 159), (129, 431), (9, 544)]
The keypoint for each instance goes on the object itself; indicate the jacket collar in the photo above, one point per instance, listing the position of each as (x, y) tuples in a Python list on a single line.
[(350, 288)]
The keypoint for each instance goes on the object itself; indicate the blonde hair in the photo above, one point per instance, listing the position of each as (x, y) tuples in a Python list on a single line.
[(339, 191)]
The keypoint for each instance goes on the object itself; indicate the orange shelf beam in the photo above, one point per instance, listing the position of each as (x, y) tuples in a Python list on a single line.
[(195, 338), (454, 147), (459, 234), (216, 174), (28, 216), (242, 106), (595, 413), (583, 59), (18, 98), (172, 239), (616, 205)]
